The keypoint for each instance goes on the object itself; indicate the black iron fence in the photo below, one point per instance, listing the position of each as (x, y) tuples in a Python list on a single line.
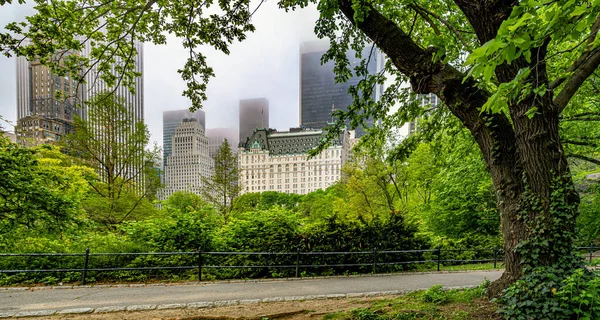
[(202, 265)]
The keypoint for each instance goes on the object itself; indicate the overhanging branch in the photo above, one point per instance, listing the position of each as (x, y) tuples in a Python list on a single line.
[(584, 158), (584, 70)]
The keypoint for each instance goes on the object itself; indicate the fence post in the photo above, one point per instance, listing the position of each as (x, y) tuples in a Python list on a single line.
[(439, 256), (85, 266), (199, 264), (495, 256), (374, 259), (591, 252), (297, 260)]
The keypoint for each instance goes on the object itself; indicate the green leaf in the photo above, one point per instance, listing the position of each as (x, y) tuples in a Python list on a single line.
[(579, 10)]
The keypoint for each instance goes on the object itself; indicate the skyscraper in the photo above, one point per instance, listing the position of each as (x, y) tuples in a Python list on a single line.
[(189, 161), (319, 94), (46, 119), (133, 101), (172, 120), (254, 113), (216, 136), (42, 118)]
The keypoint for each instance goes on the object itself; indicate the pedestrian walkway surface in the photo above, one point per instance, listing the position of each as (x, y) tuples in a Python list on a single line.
[(22, 302)]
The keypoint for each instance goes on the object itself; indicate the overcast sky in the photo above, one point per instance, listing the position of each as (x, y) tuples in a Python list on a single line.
[(266, 65)]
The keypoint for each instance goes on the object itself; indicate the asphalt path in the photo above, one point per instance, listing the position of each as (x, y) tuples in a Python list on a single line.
[(14, 301)]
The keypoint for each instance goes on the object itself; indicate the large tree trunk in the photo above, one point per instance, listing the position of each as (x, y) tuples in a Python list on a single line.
[(524, 156)]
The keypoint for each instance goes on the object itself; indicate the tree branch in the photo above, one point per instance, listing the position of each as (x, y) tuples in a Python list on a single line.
[(582, 68), (445, 22), (586, 69), (581, 143), (423, 14), (584, 158)]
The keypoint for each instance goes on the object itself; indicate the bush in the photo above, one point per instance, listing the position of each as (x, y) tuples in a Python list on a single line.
[(541, 294), (435, 294)]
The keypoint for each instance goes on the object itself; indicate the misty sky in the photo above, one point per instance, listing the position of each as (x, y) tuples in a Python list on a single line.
[(266, 65)]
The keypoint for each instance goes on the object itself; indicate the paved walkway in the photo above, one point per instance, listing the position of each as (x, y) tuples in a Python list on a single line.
[(23, 302)]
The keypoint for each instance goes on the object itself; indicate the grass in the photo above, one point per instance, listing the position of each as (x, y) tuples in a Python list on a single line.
[(461, 267), (434, 303)]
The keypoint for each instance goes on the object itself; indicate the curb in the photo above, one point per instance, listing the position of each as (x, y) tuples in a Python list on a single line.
[(194, 283), (212, 304)]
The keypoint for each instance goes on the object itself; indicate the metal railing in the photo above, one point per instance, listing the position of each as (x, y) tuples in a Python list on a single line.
[(296, 261)]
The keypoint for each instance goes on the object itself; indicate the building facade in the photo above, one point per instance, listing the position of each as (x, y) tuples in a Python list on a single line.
[(319, 94), (189, 161), (216, 136), (172, 119), (133, 101), (278, 161), (41, 117), (254, 113)]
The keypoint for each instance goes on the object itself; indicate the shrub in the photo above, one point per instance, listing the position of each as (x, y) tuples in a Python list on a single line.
[(541, 294), (435, 294)]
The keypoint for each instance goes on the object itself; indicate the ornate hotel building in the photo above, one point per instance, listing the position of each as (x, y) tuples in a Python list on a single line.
[(278, 161), (189, 161)]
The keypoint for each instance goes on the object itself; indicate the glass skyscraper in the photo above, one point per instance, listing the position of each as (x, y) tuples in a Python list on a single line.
[(319, 94), (254, 113)]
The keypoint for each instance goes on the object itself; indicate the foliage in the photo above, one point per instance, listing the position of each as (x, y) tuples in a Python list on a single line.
[(223, 186), (588, 223), (273, 230), (266, 200), (183, 201), (535, 293), (435, 294), (178, 229), (32, 190), (458, 201), (544, 294), (111, 141), (580, 294)]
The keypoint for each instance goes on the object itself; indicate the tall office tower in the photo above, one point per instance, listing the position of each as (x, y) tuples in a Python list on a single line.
[(216, 136), (254, 113), (319, 94), (41, 118), (133, 101), (172, 120), (278, 161), (189, 161)]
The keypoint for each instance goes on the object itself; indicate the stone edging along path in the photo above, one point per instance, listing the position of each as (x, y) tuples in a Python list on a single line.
[(201, 305)]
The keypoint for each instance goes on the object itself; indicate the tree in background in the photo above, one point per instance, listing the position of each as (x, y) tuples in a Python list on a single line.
[(112, 142), (39, 192), (457, 200), (223, 186)]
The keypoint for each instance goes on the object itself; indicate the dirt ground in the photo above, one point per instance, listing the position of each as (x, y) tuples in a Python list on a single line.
[(290, 310)]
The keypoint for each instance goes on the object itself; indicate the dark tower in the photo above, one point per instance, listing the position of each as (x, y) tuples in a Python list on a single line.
[(254, 113)]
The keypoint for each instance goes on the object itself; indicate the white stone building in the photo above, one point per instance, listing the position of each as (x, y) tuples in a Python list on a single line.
[(278, 161), (189, 161)]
